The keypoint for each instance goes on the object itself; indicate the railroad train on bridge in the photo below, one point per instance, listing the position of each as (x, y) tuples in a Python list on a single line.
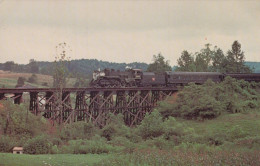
[(138, 78)]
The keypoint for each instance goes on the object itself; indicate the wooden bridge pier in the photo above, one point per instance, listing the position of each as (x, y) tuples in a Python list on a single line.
[(86, 104)]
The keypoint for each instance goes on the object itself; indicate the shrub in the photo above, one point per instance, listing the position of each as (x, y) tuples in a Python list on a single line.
[(115, 127), (33, 78), (45, 84), (54, 149), (126, 145), (78, 130), (176, 132), (151, 126), (236, 132), (38, 145), (95, 146), (20, 82), (18, 120), (6, 144)]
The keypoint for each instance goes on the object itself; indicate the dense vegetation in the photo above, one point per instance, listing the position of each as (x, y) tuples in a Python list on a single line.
[(214, 123), (211, 99)]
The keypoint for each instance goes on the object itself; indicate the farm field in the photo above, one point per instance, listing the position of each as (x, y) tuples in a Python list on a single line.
[(9, 79), (9, 159)]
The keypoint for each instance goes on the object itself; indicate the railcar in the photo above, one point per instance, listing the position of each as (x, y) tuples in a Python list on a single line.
[(244, 76), (137, 78), (182, 78)]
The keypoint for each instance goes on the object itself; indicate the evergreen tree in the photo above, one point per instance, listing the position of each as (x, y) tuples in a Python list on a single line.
[(235, 60)]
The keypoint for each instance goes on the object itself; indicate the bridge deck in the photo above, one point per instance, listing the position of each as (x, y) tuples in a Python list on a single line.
[(87, 89)]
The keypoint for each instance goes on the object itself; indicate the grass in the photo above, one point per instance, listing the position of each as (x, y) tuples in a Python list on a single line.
[(8, 159), (9, 79), (249, 123)]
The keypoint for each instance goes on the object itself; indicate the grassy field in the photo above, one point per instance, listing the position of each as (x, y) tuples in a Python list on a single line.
[(9, 79), (8, 159), (248, 122)]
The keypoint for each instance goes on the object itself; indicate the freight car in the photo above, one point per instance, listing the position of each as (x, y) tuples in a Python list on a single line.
[(135, 77)]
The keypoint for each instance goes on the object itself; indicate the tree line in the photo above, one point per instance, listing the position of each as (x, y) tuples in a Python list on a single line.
[(81, 67), (206, 60)]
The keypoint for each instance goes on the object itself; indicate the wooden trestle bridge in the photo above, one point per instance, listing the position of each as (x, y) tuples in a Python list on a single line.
[(90, 104)]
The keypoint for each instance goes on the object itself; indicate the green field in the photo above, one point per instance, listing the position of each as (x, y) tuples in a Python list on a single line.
[(9, 79), (9, 159), (247, 122)]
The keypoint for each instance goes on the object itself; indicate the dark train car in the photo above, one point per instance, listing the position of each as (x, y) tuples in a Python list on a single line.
[(245, 76), (182, 78), (152, 79)]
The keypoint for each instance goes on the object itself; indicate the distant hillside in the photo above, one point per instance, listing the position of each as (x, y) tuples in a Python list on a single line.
[(87, 66), (254, 65), (83, 67)]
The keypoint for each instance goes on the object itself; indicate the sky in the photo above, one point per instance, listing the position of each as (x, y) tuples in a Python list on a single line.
[(125, 31)]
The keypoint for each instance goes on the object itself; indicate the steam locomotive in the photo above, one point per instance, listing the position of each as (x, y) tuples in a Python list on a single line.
[(138, 78)]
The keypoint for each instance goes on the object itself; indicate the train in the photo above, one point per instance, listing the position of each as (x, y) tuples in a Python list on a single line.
[(138, 78)]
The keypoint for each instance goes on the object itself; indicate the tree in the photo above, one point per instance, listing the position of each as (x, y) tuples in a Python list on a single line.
[(60, 77), (33, 65), (159, 64), (20, 82), (81, 81), (203, 59), (9, 66), (218, 60), (235, 60), (60, 66), (186, 62)]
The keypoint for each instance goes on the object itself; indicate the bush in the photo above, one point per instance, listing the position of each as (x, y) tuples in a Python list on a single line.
[(96, 146), (38, 145), (236, 132), (176, 132), (126, 145), (115, 127), (33, 78), (151, 126), (17, 120), (78, 130), (45, 84), (6, 144), (20, 82)]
